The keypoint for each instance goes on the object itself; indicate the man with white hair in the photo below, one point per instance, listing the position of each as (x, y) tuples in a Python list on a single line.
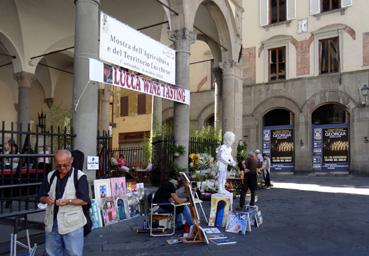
[(224, 158), (64, 196)]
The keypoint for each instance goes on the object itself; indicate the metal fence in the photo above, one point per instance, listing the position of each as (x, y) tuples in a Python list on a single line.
[(133, 154), (25, 158)]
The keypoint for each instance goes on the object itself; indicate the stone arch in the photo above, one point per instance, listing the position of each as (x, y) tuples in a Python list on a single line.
[(167, 113), (338, 26), (204, 114), (12, 50), (221, 12), (328, 96), (275, 102)]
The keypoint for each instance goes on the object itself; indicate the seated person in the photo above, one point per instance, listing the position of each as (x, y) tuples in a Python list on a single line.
[(122, 163), (167, 194)]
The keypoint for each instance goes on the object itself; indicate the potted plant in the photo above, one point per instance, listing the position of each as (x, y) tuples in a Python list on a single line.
[(178, 150)]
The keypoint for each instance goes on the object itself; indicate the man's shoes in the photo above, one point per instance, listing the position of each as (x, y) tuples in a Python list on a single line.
[(267, 187)]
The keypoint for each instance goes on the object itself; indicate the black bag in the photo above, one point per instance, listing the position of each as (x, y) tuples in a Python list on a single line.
[(86, 208)]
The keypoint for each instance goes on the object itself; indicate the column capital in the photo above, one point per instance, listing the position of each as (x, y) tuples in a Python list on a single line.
[(24, 79), (182, 34), (231, 68)]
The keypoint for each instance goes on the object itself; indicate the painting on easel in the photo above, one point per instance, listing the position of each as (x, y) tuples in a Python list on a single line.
[(198, 235)]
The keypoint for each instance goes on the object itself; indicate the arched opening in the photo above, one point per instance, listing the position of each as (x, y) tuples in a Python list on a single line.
[(209, 121), (331, 144), (278, 139), (278, 117), (330, 114)]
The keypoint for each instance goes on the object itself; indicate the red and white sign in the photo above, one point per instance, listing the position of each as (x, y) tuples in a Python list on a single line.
[(117, 76)]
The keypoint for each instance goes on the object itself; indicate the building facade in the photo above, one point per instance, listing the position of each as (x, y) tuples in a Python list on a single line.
[(306, 67)]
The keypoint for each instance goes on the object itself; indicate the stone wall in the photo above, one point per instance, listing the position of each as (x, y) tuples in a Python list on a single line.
[(302, 96)]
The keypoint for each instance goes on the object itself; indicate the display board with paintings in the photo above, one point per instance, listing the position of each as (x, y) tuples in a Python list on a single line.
[(115, 200)]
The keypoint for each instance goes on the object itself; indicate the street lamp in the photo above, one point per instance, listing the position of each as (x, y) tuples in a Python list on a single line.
[(41, 120), (364, 90)]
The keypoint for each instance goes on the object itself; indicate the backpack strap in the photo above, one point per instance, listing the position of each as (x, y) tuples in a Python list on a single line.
[(51, 179)]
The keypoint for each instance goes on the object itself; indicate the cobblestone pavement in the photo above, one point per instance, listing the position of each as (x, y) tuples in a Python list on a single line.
[(296, 222), (303, 215)]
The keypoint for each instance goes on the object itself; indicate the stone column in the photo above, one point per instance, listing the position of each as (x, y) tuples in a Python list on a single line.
[(105, 113), (217, 73), (157, 109), (24, 81), (183, 39), (86, 45), (232, 99)]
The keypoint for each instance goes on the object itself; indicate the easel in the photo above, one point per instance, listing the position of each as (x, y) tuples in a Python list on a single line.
[(198, 235)]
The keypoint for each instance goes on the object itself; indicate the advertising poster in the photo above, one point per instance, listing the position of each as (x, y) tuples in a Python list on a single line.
[(278, 143), (330, 148), (282, 146)]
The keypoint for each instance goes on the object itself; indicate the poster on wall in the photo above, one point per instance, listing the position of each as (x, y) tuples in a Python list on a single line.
[(330, 148), (278, 143)]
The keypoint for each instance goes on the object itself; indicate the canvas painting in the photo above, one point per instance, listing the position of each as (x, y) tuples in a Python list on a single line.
[(109, 212), (121, 204), (237, 223), (133, 205), (95, 215), (258, 218), (140, 190), (131, 187), (102, 189), (118, 186), (220, 206)]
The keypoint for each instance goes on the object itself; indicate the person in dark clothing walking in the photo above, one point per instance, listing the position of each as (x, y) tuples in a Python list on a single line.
[(249, 175)]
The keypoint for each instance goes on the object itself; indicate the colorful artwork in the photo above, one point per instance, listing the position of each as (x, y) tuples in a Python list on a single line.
[(140, 190), (237, 223), (131, 187), (220, 206), (118, 186), (102, 189), (121, 204), (133, 205), (109, 212), (95, 214)]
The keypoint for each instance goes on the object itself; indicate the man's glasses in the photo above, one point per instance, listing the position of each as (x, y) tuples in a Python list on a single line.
[(60, 166)]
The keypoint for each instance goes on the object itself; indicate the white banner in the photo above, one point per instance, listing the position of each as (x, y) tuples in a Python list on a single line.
[(117, 76), (124, 46)]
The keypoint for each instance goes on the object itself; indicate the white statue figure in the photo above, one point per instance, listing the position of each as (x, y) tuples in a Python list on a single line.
[(224, 158)]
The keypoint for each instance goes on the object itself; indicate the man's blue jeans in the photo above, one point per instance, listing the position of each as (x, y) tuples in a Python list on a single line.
[(70, 244), (186, 215)]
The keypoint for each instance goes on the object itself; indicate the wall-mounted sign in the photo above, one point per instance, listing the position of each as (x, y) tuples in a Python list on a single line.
[(117, 76), (92, 163), (279, 144), (124, 46), (330, 148)]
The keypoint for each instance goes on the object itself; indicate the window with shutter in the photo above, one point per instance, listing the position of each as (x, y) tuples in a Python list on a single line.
[(264, 12), (277, 64), (291, 9), (346, 3), (141, 104), (277, 11), (124, 106), (329, 55), (314, 7)]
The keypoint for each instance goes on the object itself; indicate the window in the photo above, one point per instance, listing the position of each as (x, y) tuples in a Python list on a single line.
[(328, 5), (321, 6), (141, 104), (329, 55), (277, 11), (277, 64), (124, 106)]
